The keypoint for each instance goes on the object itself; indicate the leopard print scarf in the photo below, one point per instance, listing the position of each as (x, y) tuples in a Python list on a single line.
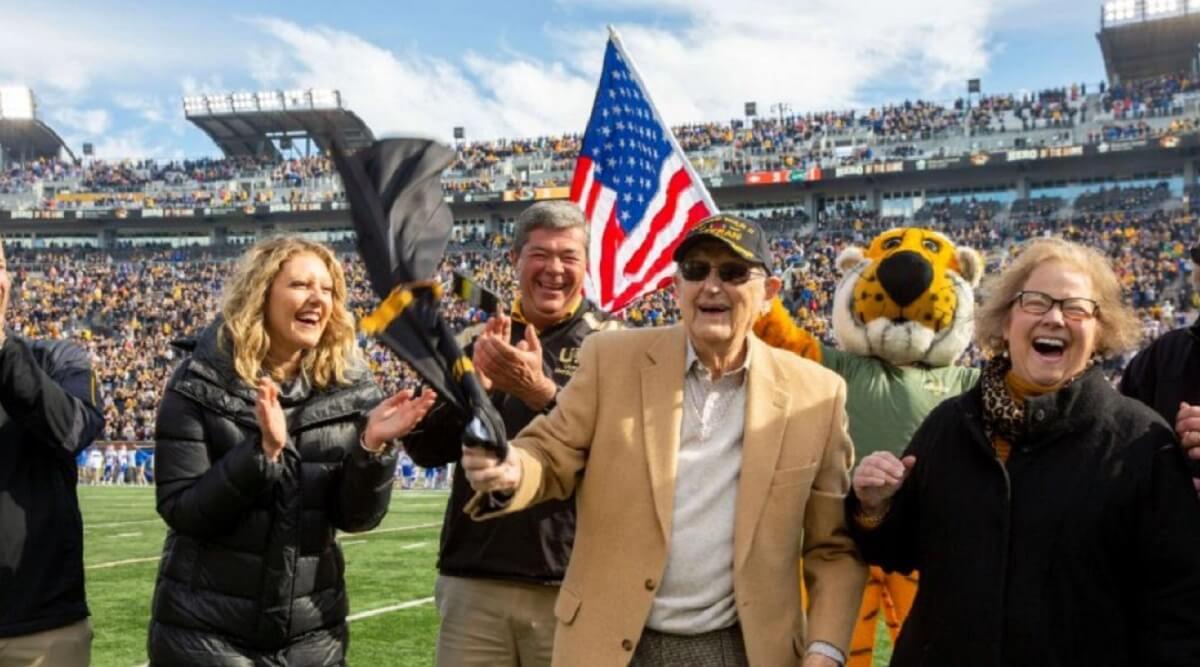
[(1003, 415)]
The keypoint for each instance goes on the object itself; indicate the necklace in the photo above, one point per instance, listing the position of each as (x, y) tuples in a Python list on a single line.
[(699, 399)]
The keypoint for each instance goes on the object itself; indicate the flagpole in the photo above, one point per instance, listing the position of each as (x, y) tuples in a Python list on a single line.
[(687, 163)]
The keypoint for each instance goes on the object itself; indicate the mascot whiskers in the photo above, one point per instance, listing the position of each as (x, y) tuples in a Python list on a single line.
[(903, 313)]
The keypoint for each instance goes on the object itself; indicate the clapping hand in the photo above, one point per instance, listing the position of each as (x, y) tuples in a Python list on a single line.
[(271, 423), (516, 370), (396, 417)]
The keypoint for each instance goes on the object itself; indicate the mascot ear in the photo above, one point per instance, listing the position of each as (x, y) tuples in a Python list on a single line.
[(970, 264), (849, 258)]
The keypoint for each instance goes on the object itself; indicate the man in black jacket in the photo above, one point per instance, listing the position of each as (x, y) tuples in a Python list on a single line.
[(499, 579), (47, 415), (1166, 376)]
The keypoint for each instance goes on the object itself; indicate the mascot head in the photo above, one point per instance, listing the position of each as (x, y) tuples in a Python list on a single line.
[(908, 298)]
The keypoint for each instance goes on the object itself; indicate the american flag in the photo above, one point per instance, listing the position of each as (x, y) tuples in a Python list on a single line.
[(636, 187)]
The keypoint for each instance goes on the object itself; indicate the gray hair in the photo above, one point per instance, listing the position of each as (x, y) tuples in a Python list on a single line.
[(555, 215)]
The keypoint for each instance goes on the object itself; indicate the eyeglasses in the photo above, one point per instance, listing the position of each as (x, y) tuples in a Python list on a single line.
[(734, 273), (1040, 303)]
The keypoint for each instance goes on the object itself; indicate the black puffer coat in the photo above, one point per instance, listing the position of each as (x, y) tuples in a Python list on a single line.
[(250, 572)]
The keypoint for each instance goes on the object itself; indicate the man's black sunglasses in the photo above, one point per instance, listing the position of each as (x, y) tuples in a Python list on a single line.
[(694, 270)]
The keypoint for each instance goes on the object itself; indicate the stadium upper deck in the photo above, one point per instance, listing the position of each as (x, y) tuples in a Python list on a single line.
[(892, 159)]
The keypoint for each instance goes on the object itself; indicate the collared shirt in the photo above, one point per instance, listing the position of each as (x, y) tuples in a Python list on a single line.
[(518, 314), (696, 592)]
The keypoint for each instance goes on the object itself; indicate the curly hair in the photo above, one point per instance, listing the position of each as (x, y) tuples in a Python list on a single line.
[(1119, 329), (244, 302)]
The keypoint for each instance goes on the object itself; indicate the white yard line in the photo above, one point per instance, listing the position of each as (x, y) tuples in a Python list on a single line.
[(128, 561), (127, 535), (400, 528), (415, 545), (356, 540), (387, 610), (118, 524), (347, 543)]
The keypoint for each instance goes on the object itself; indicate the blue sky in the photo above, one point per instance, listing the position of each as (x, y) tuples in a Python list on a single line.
[(114, 73)]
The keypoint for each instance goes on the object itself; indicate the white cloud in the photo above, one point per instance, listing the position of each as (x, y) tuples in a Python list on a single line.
[(88, 121), (814, 55), (190, 85), (408, 93), (131, 144), (710, 59), (701, 59), (75, 49), (151, 108)]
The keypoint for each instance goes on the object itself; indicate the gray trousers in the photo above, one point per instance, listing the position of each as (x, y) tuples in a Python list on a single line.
[(719, 648)]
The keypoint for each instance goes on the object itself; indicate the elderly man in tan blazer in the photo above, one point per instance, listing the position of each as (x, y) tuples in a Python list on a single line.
[(706, 465)]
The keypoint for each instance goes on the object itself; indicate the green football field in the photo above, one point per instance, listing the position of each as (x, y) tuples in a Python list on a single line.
[(389, 573)]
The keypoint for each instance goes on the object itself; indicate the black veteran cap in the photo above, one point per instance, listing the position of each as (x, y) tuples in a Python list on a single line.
[(743, 237)]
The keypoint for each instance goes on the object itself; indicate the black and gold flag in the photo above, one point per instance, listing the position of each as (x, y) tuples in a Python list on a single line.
[(403, 226)]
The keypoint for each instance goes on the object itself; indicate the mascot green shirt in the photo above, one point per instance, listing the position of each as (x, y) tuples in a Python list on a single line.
[(903, 312), (887, 403)]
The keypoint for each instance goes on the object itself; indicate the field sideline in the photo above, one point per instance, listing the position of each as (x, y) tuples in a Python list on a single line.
[(389, 574)]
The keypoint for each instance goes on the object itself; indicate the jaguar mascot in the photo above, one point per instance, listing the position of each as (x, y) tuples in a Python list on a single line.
[(903, 312)]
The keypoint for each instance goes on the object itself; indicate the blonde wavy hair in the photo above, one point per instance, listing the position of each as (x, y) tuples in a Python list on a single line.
[(244, 302), (1119, 328)]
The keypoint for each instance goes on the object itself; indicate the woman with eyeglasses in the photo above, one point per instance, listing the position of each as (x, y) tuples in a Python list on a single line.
[(1052, 519)]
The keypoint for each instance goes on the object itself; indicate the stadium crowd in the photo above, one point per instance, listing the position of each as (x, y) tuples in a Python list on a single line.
[(793, 141), (128, 306)]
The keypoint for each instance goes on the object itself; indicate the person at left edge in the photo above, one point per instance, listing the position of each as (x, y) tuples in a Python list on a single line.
[(498, 581), (47, 414), (270, 438)]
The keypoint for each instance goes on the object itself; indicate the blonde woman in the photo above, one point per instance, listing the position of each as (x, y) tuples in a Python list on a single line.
[(270, 438), (1052, 519)]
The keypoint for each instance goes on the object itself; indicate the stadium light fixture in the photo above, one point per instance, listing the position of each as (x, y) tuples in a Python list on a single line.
[(1160, 7), (296, 99), (17, 104), (263, 101), (1118, 11), (244, 102), (325, 99), (270, 100), (219, 104), (195, 105)]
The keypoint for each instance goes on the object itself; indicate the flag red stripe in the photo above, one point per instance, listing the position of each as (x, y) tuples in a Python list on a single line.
[(582, 167), (695, 214), (613, 236), (678, 183)]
